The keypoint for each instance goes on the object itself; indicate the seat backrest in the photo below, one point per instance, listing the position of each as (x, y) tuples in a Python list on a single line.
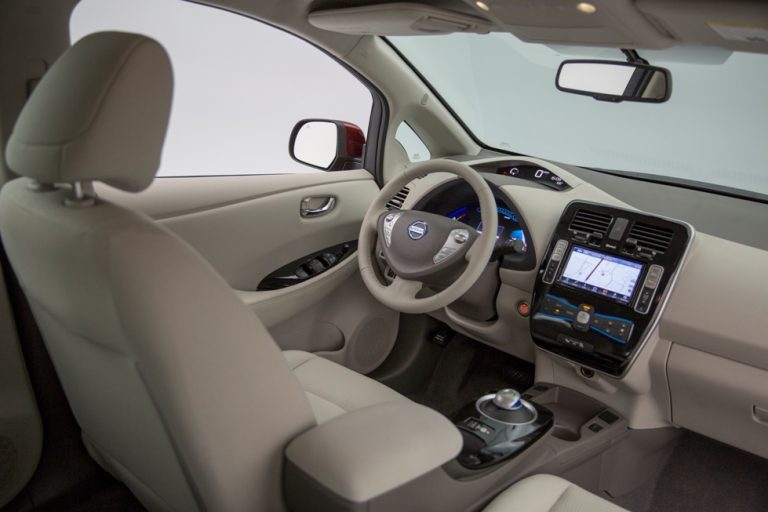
[(178, 388)]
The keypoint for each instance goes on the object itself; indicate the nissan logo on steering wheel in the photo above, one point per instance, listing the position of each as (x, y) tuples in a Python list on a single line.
[(417, 230)]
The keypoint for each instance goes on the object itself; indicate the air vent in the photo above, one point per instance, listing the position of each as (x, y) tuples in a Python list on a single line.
[(396, 202), (590, 222), (654, 238)]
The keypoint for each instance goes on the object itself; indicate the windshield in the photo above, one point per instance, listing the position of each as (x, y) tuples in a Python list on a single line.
[(713, 129)]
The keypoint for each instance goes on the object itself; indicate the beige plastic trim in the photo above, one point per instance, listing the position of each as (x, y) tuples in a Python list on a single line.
[(249, 226), (276, 306), (175, 196), (409, 99), (719, 303), (642, 395), (720, 398)]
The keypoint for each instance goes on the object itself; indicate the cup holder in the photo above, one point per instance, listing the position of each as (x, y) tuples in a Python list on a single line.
[(571, 409), (565, 433)]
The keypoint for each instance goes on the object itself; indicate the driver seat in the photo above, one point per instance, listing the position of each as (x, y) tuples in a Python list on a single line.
[(179, 390)]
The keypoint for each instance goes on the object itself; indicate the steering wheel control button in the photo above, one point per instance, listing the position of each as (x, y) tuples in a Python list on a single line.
[(443, 254), (456, 238), (460, 236), (554, 261), (389, 225), (418, 230)]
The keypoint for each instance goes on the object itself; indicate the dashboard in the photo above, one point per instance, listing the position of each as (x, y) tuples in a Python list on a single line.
[(630, 308)]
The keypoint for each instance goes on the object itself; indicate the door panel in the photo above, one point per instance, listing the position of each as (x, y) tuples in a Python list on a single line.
[(250, 226)]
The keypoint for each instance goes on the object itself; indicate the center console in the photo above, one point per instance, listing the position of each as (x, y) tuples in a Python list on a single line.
[(604, 282), (498, 426)]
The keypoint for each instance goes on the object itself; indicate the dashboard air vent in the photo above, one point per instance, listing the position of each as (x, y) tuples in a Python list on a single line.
[(590, 222), (648, 236), (396, 202)]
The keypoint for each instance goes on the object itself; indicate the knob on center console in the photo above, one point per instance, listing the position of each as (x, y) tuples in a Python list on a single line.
[(506, 406), (508, 399)]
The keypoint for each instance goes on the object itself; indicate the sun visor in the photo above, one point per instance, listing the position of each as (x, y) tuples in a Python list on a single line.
[(741, 26), (397, 19)]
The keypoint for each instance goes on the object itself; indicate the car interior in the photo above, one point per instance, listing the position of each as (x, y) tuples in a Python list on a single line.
[(530, 276)]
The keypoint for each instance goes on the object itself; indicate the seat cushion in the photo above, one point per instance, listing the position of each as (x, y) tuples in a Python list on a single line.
[(547, 493), (333, 389)]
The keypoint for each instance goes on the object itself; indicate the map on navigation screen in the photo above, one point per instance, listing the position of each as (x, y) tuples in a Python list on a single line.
[(600, 273)]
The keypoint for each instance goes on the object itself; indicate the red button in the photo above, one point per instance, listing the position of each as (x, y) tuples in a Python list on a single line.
[(523, 308)]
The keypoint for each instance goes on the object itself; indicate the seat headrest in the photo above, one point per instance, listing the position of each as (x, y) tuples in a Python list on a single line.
[(100, 113)]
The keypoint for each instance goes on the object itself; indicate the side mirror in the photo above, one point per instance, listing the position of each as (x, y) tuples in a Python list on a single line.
[(328, 145), (607, 80)]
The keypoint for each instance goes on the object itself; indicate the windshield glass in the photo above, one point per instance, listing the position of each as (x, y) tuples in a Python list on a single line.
[(713, 129)]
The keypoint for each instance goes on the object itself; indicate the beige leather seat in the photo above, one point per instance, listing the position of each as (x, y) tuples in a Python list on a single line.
[(332, 389), (178, 388), (547, 493)]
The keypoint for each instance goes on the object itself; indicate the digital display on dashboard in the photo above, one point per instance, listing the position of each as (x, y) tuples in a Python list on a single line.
[(534, 173), (612, 277)]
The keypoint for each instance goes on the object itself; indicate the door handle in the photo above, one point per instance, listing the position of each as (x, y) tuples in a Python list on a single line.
[(760, 415), (306, 209)]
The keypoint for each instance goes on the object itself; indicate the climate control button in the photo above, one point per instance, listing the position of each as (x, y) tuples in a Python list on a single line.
[(584, 318)]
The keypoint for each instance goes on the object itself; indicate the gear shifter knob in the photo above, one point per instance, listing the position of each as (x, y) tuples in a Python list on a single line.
[(507, 399)]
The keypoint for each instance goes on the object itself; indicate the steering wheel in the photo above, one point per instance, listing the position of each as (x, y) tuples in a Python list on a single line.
[(425, 248)]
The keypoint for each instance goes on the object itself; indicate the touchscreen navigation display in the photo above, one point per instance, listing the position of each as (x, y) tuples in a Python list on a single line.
[(612, 277)]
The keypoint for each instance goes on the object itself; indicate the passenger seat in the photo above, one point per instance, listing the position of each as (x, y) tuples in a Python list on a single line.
[(547, 493)]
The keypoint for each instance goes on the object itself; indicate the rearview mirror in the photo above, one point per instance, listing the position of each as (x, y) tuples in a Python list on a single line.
[(607, 80), (326, 144)]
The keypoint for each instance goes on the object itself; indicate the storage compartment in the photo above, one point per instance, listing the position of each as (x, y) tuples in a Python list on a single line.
[(719, 398)]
